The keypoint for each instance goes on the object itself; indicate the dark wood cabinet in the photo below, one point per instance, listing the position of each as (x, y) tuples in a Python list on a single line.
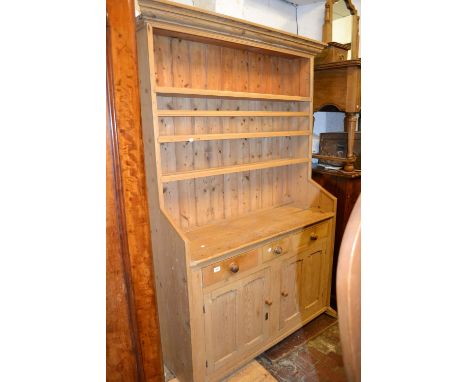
[(346, 188)]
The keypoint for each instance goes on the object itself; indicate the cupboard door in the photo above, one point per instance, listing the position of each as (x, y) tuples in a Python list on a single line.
[(221, 316), (236, 319), (291, 275), (312, 285), (254, 309)]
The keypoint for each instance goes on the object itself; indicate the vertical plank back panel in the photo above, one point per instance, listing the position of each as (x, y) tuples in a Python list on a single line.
[(196, 202)]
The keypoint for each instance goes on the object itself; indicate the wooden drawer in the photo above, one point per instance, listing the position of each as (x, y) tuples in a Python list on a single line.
[(276, 248), (232, 266), (311, 235)]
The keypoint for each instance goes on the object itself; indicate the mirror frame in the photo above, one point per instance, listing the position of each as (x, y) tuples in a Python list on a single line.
[(328, 24)]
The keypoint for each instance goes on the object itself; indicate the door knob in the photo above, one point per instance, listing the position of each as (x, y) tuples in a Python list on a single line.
[(277, 250), (268, 302), (284, 294), (233, 267), (313, 236)]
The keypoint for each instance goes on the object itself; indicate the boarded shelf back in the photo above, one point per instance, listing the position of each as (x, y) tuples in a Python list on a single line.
[(186, 64)]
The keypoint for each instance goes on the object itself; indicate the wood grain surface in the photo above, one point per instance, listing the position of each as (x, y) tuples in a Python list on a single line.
[(133, 342)]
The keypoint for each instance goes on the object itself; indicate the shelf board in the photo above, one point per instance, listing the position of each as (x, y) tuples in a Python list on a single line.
[(208, 242), (231, 169), (229, 113), (171, 91), (223, 136), (333, 158)]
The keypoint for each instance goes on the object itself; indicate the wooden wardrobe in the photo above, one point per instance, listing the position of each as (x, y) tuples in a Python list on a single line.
[(242, 237)]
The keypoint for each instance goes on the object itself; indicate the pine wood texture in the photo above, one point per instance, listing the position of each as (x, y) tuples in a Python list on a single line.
[(227, 116), (132, 329), (169, 16), (211, 241), (232, 266), (204, 93), (223, 136)]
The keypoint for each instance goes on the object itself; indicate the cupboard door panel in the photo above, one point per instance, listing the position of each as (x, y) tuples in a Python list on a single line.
[(221, 326), (291, 275), (311, 293), (236, 319), (252, 327)]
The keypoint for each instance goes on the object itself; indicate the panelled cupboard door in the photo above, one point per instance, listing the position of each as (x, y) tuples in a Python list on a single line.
[(291, 273), (236, 319), (312, 282), (301, 286)]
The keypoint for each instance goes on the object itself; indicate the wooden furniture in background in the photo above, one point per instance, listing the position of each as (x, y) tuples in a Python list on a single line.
[(242, 237), (337, 85), (335, 144), (327, 30), (334, 52), (132, 330), (349, 295), (346, 187)]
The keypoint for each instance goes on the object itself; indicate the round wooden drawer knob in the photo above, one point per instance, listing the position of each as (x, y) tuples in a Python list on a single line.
[(278, 250), (313, 236), (284, 294), (233, 267), (268, 302)]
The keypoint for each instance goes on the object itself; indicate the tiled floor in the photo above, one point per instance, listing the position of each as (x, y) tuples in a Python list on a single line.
[(311, 354)]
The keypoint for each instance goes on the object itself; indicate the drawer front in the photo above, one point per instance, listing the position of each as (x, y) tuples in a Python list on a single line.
[(232, 266), (310, 236), (276, 248)]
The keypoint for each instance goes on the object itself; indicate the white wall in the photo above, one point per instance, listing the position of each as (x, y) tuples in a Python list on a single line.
[(310, 19), (186, 2), (273, 13), (232, 8), (277, 14)]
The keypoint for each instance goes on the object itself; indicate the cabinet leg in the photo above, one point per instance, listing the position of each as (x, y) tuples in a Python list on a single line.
[(350, 127), (331, 312)]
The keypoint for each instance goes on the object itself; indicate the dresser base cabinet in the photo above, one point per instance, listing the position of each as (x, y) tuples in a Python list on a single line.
[(242, 237), (256, 307)]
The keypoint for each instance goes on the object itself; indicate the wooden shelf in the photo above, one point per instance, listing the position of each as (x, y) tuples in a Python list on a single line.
[(228, 235), (204, 93), (231, 169), (332, 158), (223, 136), (230, 113)]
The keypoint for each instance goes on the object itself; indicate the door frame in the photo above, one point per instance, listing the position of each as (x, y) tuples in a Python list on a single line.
[(133, 341)]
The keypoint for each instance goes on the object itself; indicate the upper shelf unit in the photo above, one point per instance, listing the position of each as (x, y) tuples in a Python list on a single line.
[(232, 122)]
